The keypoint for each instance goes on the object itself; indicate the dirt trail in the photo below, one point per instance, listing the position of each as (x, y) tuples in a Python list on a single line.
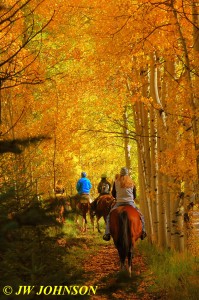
[(103, 270)]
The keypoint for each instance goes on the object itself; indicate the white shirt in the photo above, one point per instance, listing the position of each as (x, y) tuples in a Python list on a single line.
[(123, 194)]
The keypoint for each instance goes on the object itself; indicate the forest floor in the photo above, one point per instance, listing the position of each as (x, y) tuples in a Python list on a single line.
[(66, 257), (102, 270)]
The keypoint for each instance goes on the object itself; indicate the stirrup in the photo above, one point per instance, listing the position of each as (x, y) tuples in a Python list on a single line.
[(107, 237)]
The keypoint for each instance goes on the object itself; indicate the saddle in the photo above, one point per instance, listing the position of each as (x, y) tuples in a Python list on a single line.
[(84, 198), (106, 197)]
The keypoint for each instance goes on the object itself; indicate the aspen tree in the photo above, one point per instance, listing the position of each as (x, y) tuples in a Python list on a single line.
[(142, 172), (160, 116), (192, 101), (195, 103), (144, 149), (127, 146), (154, 190), (167, 87)]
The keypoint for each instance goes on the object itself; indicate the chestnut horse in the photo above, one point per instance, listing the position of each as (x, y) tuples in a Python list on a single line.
[(100, 207), (57, 203), (125, 229), (81, 206)]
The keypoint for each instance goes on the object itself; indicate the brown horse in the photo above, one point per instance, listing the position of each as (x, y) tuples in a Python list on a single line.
[(125, 229), (81, 206), (58, 204), (100, 207)]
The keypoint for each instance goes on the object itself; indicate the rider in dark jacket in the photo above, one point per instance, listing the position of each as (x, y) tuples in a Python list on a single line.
[(104, 186)]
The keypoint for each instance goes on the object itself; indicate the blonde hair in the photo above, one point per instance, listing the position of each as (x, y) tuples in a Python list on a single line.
[(125, 181)]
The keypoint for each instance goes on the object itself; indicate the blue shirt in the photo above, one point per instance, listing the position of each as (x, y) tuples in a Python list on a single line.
[(83, 185)]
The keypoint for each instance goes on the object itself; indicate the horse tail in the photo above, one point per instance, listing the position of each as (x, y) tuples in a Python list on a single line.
[(124, 237)]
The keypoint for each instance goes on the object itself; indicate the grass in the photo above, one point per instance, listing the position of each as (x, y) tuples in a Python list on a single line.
[(175, 273), (78, 247)]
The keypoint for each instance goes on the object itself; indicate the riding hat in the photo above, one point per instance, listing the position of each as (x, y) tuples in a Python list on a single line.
[(103, 176), (124, 171)]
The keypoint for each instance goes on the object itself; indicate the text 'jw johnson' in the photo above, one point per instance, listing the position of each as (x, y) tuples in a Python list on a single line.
[(51, 290)]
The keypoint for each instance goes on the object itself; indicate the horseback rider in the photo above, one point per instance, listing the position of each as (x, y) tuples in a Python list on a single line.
[(125, 193), (59, 188), (104, 186), (83, 187)]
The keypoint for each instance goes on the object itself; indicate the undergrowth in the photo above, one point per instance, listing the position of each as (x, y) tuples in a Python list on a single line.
[(45, 256), (175, 273)]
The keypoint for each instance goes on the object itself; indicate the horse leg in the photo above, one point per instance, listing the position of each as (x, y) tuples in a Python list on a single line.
[(98, 228), (62, 214), (84, 221), (84, 224), (122, 261), (91, 219), (121, 257), (92, 223), (76, 218), (130, 257), (105, 220)]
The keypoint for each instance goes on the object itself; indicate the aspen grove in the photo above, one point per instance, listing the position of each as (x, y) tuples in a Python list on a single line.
[(97, 85)]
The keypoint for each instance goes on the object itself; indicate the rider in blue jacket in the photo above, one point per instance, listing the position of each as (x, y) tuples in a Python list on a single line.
[(83, 185)]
